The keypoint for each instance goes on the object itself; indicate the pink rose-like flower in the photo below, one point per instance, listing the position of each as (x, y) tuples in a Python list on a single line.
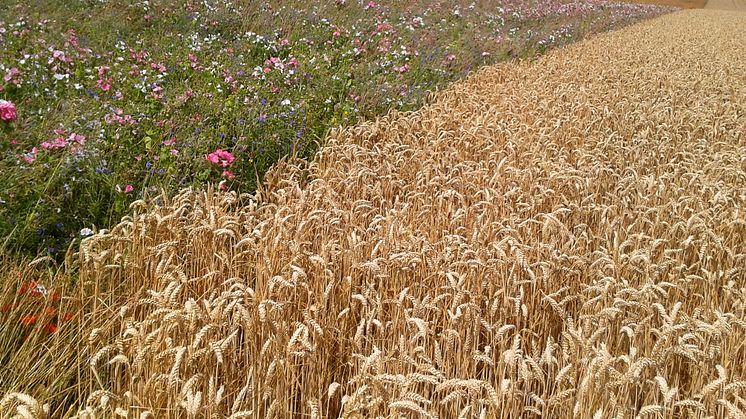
[(221, 158), (7, 111), (228, 175), (129, 188)]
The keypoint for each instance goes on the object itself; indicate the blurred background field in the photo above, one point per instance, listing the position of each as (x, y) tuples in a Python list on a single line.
[(684, 4)]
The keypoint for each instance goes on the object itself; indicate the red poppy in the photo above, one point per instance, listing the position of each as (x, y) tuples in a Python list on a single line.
[(50, 311), (67, 317), (28, 320), (31, 287), (51, 328), (54, 296)]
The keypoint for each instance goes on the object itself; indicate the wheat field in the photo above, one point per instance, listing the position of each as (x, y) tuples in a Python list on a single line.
[(562, 237)]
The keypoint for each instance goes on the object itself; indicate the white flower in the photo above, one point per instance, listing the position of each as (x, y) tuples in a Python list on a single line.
[(285, 102), (86, 232)]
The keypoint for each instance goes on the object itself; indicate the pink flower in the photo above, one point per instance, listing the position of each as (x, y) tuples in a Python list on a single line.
[(158, 66), (129, 188), (30, 156), (228, 175), (104, 84), (403, 69), (59, 55), (221, 158), (194, 63), (12, 74), (76, 138), (55, 144), (7, 111)]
